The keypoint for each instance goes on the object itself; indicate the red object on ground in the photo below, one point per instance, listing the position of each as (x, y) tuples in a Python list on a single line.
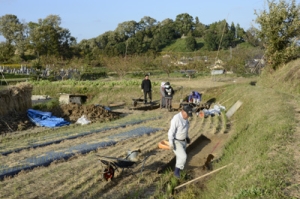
[(201, 114), (109, 173)]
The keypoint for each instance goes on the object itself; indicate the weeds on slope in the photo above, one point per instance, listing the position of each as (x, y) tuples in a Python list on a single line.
[(261, 162)]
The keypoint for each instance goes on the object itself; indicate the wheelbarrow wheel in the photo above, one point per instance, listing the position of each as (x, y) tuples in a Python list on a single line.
[(109, 173), (135, 103)]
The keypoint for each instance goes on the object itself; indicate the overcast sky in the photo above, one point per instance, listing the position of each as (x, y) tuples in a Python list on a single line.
[(87, 19)]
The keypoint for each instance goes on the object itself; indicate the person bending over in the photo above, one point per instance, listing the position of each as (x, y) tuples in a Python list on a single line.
[(195, 97)]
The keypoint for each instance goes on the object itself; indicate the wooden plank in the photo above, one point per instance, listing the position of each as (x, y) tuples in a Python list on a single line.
[(233, 109), (202, 176)]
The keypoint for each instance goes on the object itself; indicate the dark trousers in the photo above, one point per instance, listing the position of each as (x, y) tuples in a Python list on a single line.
[(162, 102), (149, 95), (168, 102)]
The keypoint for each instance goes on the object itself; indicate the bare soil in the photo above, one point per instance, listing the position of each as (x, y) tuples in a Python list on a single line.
[(207, 136), (70, 112), (81, 176), (15, 122)]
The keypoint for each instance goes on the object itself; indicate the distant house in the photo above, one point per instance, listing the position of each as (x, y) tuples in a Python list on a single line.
[(254, 65), (218, 65), (217, 72), (217, 68), (183, 61)]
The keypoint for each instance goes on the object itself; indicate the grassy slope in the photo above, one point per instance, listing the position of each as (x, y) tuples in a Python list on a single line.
[(261, 146)]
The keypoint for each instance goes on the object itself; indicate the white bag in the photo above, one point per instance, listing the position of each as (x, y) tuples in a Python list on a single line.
[(83, 120)]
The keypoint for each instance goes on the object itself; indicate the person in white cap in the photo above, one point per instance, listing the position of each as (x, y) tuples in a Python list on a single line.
[(179, 138), (169, 92)]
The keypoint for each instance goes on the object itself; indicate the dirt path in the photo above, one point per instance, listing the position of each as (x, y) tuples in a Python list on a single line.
[(198, 156), (208, 136)]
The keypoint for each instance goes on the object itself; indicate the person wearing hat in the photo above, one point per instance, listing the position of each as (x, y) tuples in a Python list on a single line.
[(169, 92), (146, 88), (195, 97), (179, 138)]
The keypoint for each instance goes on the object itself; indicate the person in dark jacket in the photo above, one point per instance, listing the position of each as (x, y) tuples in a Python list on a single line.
[(147, 88)]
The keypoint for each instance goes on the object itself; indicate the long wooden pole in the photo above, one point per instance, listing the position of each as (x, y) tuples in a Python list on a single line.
[(226, 100), (202, 176)]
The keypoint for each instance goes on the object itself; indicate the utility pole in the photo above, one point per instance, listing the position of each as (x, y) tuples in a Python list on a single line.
[(126, 48)]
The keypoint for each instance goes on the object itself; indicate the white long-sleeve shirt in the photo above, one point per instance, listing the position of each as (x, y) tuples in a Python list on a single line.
[(179, 128)]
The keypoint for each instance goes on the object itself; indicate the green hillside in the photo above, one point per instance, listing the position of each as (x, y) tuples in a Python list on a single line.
[(179, 46)]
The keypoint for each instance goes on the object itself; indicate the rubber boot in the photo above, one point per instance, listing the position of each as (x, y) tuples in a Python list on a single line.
[(177, 172)]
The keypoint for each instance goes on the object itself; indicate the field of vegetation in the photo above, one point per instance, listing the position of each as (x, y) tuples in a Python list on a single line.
[(256, 150), (259, 143)]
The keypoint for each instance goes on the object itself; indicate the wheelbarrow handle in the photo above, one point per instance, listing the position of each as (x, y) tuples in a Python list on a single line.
[(138, 150), (144, 160), (109, 163)]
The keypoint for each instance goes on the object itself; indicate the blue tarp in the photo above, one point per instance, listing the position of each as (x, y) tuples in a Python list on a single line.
[(46, 119)]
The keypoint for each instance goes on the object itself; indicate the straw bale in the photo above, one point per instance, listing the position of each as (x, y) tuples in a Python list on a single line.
[(15, 99)]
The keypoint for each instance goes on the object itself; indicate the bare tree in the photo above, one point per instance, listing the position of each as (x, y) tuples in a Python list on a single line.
[(167, 63), (120, 65)]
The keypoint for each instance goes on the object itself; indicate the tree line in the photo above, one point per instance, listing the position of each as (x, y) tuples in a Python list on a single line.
[(46, 42), (47, 38)]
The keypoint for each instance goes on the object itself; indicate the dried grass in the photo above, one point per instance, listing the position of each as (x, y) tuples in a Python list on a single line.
[(15, 99)]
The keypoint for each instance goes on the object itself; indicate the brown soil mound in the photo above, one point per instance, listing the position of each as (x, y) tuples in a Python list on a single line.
[(14, 122), (72, 112)]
